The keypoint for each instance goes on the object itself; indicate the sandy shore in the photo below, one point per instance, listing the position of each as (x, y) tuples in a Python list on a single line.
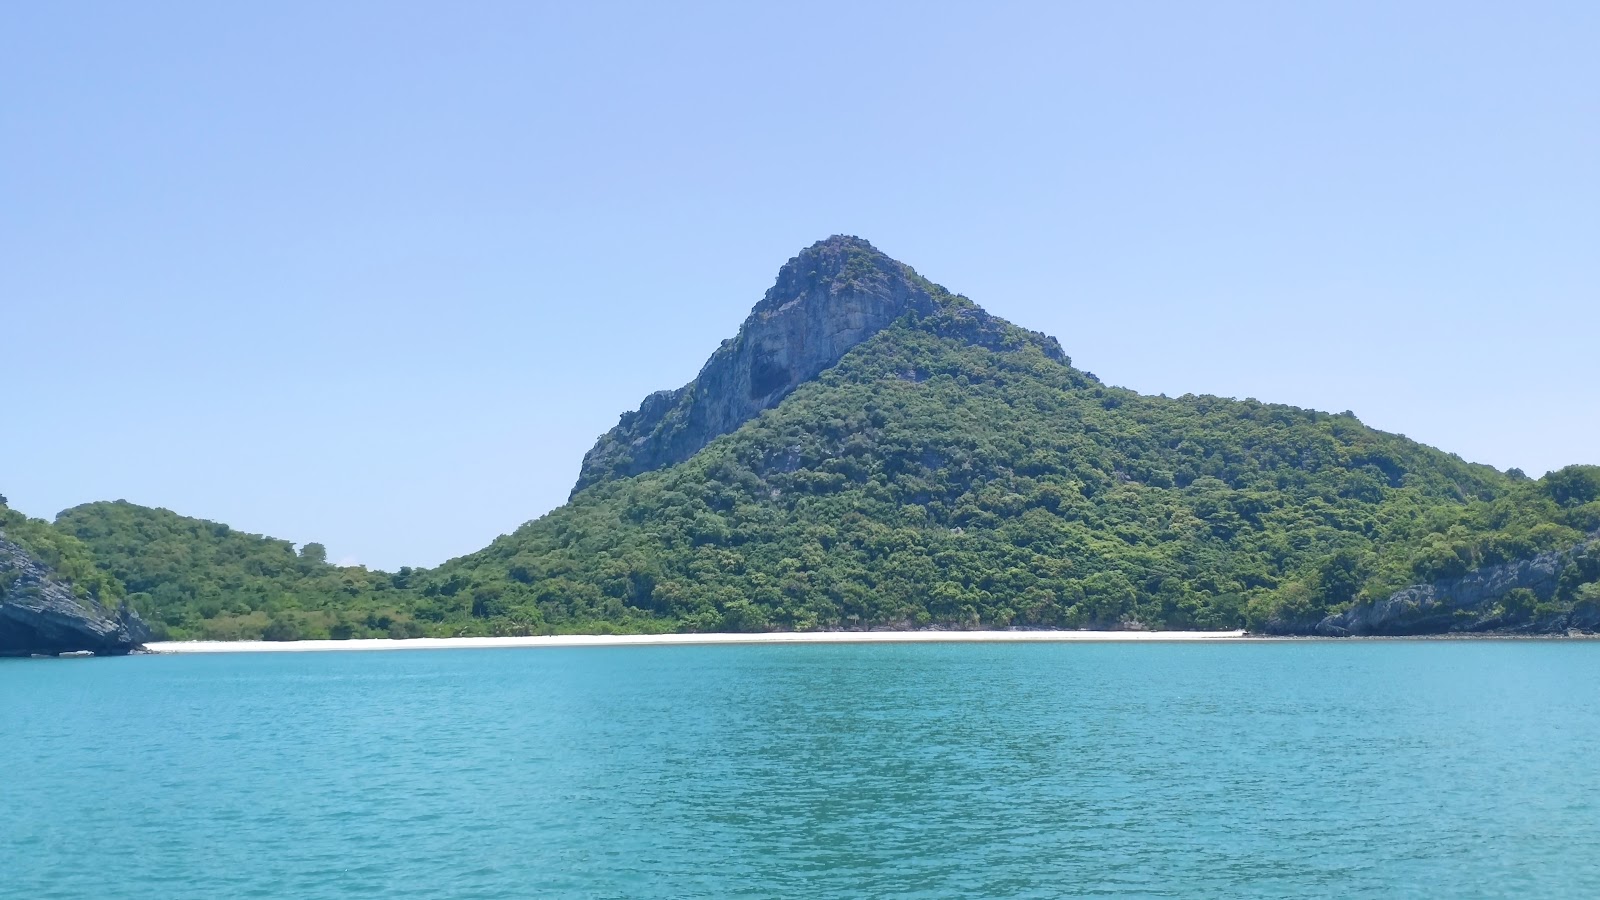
[(632, 640)]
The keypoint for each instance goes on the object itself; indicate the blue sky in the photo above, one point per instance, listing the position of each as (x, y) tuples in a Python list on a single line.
[(377, 274)]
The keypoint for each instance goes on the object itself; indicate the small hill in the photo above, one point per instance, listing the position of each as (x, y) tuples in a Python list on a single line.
[(201, 579)]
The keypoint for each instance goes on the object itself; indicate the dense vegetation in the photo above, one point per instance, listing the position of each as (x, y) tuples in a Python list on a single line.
[(927, 481), (191, 578), (935, 477), (71, 561)]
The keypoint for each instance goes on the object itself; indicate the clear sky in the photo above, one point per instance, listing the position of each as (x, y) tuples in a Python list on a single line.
[(377, 274)]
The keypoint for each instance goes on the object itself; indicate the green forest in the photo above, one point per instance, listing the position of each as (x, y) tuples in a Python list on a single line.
[(927, 480), (193, 579), (66, 556)]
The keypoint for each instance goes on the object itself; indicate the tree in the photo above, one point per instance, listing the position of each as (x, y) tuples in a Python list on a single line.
[(1518, 603), (1574, 485), (281, 629), (1341, 576)]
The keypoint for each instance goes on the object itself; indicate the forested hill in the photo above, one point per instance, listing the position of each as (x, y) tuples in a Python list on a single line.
[(54, 598), (926, 481), (192, 578), (872, 450), (67, 557)]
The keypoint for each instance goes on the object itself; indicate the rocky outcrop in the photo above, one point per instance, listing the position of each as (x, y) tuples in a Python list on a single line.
[(42, 615), (1475, 602), (834, 295)]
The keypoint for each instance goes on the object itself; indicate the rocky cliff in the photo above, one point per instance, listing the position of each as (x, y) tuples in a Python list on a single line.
[(42, 615), (834, 295), (1520, 597)]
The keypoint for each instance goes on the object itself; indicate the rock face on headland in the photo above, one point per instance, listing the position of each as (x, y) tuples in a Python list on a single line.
[(42, 615), (836, 294), (1480, 602)]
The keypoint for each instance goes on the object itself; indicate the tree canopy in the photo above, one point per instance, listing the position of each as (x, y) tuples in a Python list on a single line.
[(926, 480)]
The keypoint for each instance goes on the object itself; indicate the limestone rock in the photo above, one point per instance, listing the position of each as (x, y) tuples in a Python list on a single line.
[(1471, 603), (42, 615), (834, 295)]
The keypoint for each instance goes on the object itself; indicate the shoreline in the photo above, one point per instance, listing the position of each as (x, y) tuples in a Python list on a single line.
[(160, 648), (657, 640)]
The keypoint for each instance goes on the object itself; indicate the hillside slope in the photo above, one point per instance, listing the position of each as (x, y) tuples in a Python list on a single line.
[(874, 451), (831, 297), (201, 579), (53, 599), (954, 470)]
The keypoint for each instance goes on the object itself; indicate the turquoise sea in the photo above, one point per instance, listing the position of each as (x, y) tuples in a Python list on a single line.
[(1314, 769)]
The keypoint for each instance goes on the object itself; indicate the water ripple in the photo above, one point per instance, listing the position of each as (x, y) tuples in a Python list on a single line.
[(1361, 769)]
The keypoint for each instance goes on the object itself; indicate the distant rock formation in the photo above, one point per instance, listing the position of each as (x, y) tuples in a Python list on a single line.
[(41, 615), (834, 295), (1473, 603)]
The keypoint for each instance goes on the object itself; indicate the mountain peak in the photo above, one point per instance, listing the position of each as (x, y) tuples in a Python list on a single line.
[(835, 266), (829, 298)]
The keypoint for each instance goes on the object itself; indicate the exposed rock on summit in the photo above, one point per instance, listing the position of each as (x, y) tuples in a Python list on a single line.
[(42, 615), (834, 295)]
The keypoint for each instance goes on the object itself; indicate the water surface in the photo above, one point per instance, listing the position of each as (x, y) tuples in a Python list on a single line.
[(1249, 769)]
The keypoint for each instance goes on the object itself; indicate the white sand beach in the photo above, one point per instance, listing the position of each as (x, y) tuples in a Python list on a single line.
[(637, 640)]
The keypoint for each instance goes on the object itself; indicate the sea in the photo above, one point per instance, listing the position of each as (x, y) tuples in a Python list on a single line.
[(1235, 769)]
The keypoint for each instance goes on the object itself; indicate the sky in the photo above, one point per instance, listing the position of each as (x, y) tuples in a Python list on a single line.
[(377, 274)]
